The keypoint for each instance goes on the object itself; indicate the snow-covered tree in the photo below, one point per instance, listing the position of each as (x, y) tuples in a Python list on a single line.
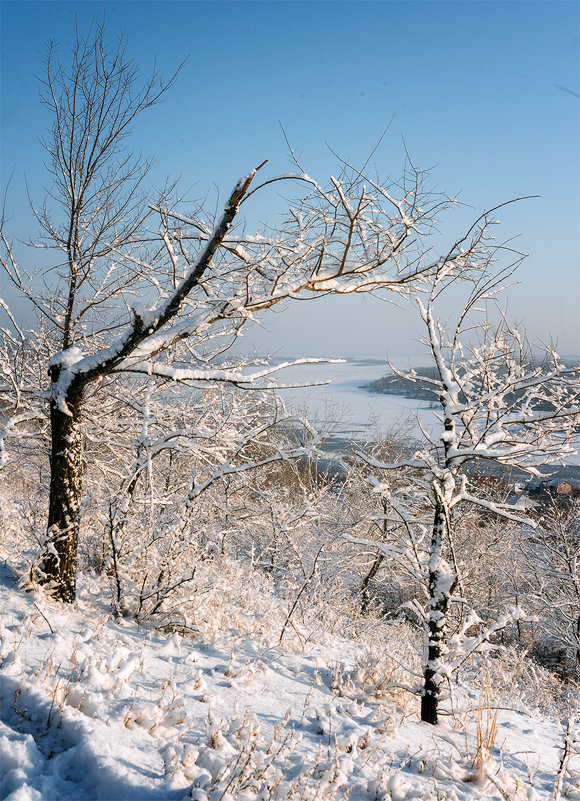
[(131, 282), (495, 406)]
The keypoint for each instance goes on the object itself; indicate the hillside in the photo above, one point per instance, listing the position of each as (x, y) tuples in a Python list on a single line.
[(97, 708)]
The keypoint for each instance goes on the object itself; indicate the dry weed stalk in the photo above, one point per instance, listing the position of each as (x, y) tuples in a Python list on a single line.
[(485, 736), (486, 733)]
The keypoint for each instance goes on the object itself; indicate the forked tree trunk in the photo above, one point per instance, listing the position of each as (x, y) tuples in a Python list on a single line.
[(58, 568), (441, 586)]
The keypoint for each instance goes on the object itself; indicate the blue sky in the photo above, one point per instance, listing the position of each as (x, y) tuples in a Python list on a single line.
[(484, 92)]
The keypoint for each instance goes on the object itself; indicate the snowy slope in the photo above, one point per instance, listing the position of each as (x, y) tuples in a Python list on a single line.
[(93, 708)]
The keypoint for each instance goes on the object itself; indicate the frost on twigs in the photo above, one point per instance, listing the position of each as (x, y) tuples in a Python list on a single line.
[(163, 291), (495, 406)]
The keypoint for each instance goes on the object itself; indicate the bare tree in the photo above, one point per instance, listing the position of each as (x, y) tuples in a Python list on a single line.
[(495, 406), (202, 280), (96, 205)]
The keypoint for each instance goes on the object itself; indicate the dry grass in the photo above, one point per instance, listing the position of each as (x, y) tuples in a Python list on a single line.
[(485, 736)]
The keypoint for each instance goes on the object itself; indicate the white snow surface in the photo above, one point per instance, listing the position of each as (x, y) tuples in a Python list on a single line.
[(97, 708)]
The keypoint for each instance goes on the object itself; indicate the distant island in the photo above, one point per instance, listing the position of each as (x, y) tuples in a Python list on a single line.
[(396, 385)]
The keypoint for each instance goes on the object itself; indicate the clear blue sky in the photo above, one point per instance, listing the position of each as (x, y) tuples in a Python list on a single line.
[(485, 92)]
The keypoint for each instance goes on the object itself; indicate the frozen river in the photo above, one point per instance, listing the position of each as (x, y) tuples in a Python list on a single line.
[(349, 410)]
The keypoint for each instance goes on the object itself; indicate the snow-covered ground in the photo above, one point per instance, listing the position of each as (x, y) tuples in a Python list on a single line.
[(98, 708)]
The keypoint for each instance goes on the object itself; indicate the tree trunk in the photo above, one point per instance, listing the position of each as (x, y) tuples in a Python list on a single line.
[(366, 597), (58, 566), (440, 589)]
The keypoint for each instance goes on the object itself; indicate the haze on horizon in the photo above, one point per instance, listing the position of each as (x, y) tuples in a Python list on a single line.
[(485, 93)]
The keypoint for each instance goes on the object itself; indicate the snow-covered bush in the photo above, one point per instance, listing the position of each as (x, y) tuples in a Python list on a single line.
[(550, 571)]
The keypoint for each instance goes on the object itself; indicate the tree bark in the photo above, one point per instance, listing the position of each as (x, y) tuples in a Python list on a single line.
[(440, 590), (58, 567)]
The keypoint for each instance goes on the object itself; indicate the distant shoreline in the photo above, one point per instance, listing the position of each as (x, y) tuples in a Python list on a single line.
[(393, 384)]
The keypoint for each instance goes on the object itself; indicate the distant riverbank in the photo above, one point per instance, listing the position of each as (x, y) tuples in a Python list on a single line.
[(393, 384)]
